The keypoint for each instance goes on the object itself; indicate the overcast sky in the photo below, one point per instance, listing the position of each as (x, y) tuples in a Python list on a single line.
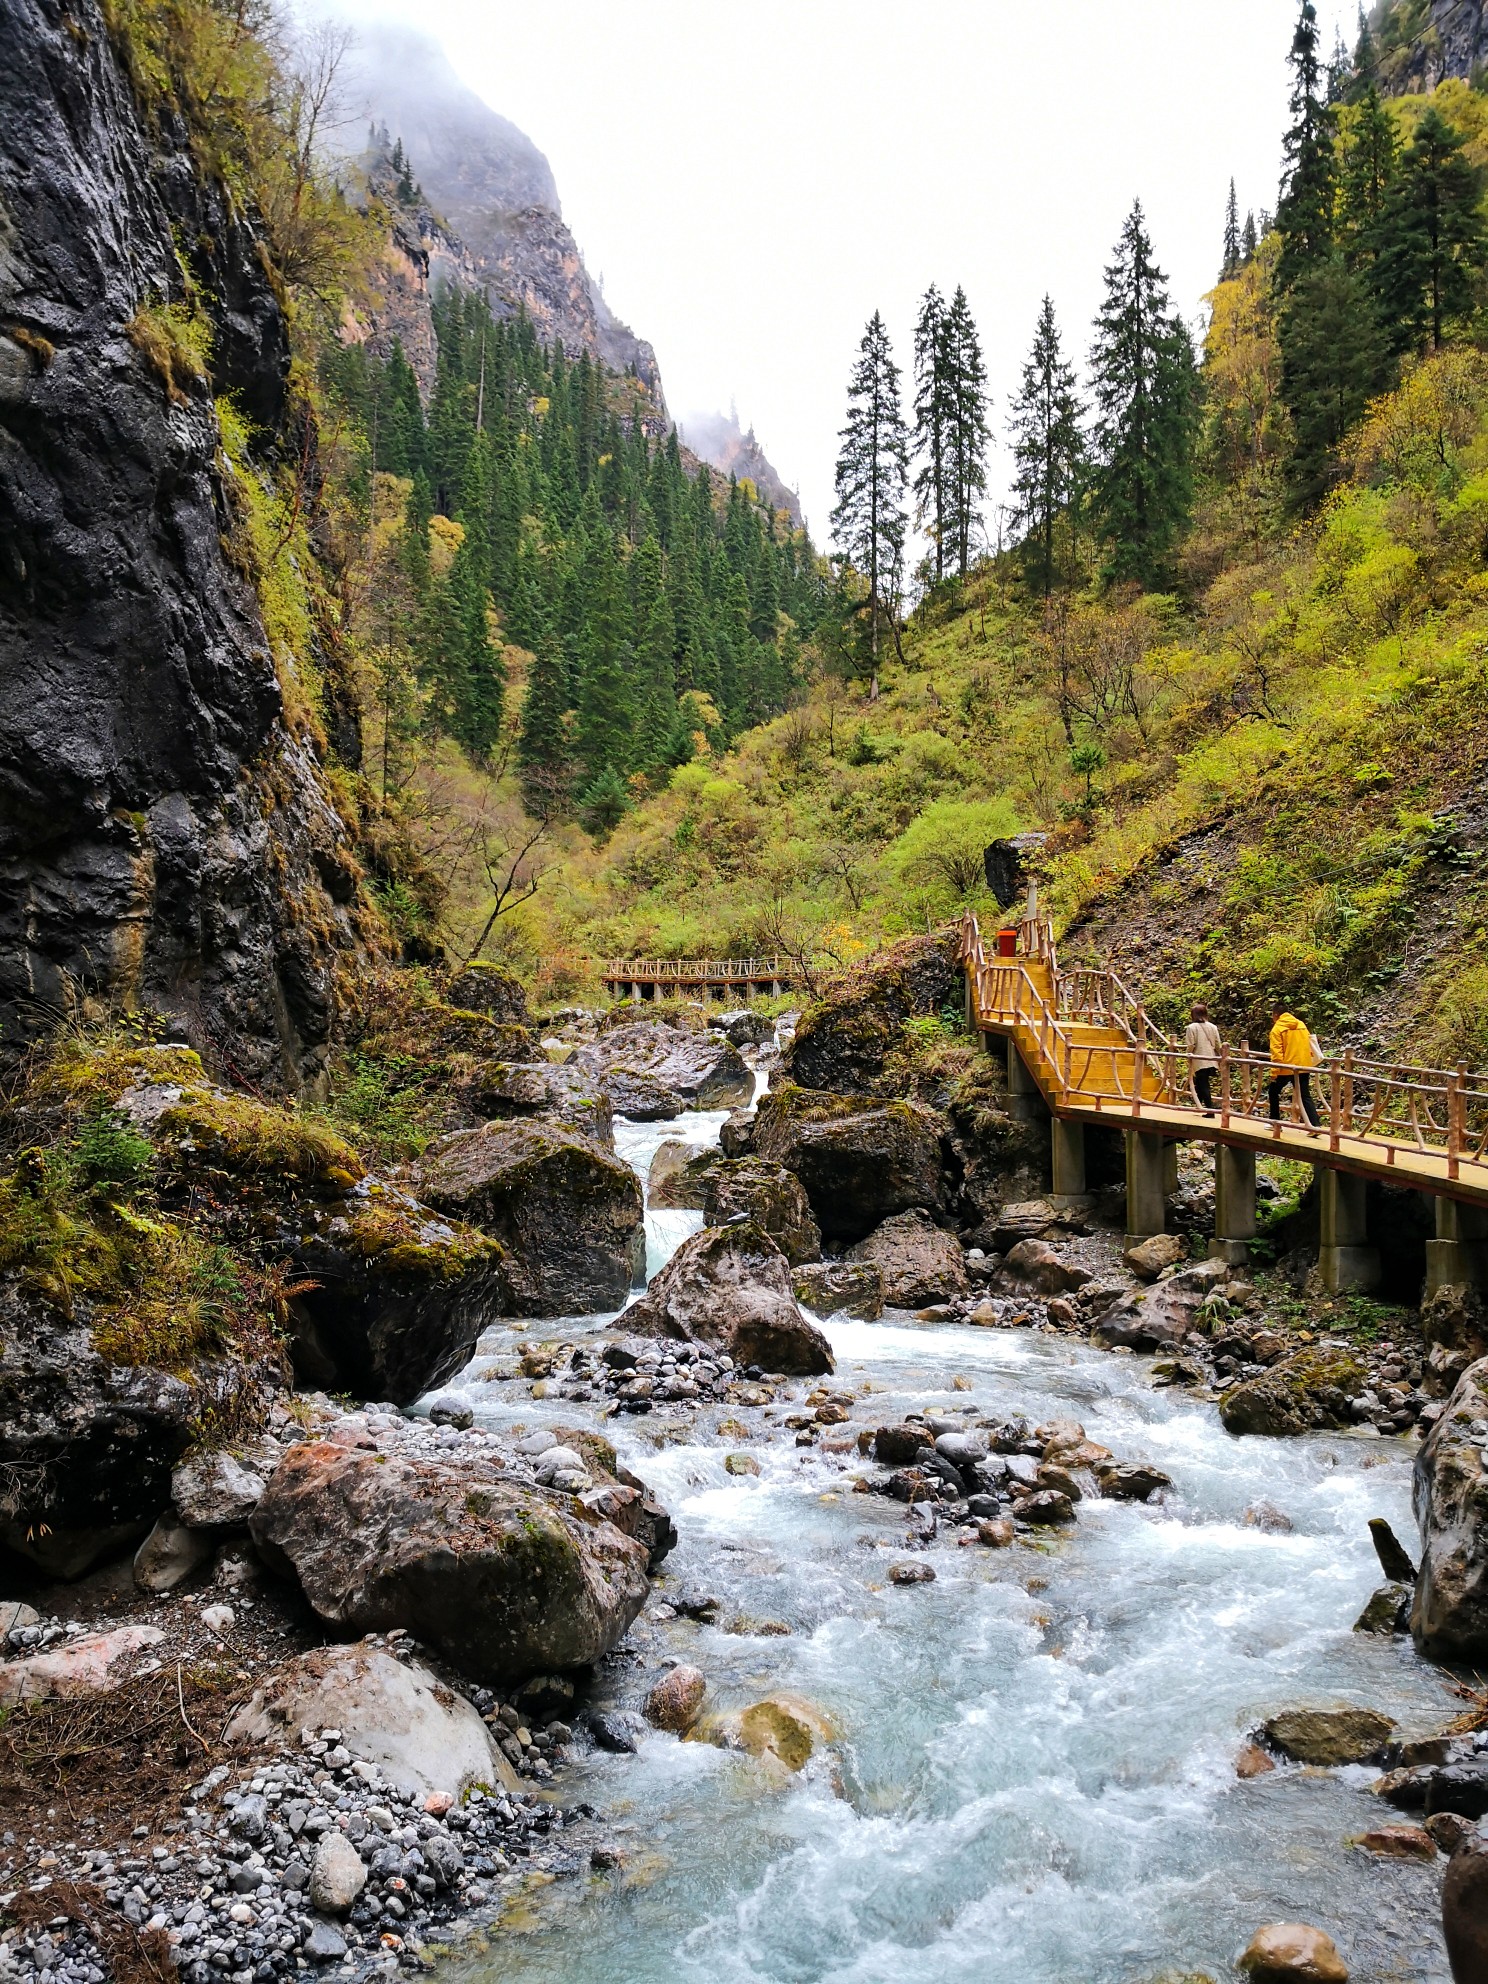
[(753, 178)]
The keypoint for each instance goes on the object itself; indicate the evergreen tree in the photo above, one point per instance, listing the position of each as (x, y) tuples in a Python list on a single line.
[(1249, 241), (967, 376), (872, 467), (1304, 216), (1369, 170), (1332, 363), (1431, 238), (933, 416), (1048, 446), (1230, 263), (604, 802), (1145, 385), (543, 757), (1366, 55), (605, 709), (477, 671)]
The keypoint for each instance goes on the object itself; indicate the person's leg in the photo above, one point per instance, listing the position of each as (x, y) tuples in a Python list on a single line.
[(1273, 1096), (1304, 1092), (1204, 1087)]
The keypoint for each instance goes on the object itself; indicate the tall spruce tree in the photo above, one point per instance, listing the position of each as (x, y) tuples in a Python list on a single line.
[(868, 520), (1144, 380), (966, 372), (1048, 448), (1431, 238), (1370, 161), (1304, 215), (544, 759), (1230, 261), (1332, 363), (934, 502)]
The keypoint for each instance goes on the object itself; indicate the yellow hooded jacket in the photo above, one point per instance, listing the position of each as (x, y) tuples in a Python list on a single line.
[(1291, 1043)]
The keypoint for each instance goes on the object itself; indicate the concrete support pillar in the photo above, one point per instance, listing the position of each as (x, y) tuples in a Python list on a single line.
[(1458, 1256), (636, 991), (1234, 1204), (1067, 1147), (1346, 1262), (1170, 1169), (1025, 1098), (774, 988), (1146, 1184)]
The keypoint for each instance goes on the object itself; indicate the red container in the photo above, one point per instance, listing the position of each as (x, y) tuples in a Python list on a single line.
[(1007, 943)]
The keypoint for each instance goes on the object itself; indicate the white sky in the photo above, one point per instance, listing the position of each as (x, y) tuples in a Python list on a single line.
[(752, 178)]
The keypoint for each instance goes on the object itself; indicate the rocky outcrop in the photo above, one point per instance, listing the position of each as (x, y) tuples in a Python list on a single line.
[(568, 1215), (861, 1161), (843, 1041), (730, 1287), (1309, 1389), (702, 1069), (1418, 53), (504, 1579), (751, 1190), (392, 1713), (490, 989), (1449, 1615), (919, 1263), (167, 838)]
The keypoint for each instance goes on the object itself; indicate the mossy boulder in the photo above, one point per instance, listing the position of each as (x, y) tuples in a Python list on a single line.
[(678, 1178), (919, 1263), (844, 1039), (1329, 1736), (701, 1068), (503, 1091), (749, 1189), (505, 1579), (730, 1286), (860, 1160), (490, 989), (568, 1215), (1449, 1614), (1310, 1389)]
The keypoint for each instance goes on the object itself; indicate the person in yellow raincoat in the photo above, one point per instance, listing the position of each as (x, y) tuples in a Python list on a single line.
[(1293, 1056)]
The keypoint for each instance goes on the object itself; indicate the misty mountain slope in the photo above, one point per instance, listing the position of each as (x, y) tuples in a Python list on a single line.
[(719, 441), (1422, 42)]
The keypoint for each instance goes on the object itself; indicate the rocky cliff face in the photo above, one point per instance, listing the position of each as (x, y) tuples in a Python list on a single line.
[(1437, 39), (496, 195), (165, 838), (725, 446)]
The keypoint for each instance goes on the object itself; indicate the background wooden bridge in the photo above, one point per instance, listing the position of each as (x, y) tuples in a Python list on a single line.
[(724, 978), (1082, 1048)]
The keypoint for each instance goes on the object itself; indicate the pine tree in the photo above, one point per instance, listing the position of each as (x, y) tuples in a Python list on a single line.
[(1249, 240), (1332, 364), (967, 375), (604, 737), (1370, 159), (868, 519), (1366, 55), (1304, 215), (1230, 264), (1431, 238), (933, 415), (1048, 446), (604, 802), (1144, 379), (543, 753)]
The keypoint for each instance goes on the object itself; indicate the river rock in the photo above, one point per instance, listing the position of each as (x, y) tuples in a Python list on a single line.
[(82, 1667), (1461, 1788), (678, 1178), (169, 1555), (1148, 1258), (841, 1288), (1162, 1316), (702, 1069), (337, 1873), (567, 1214), (505, 1580), (1293, 1953), (1131, 1481), (731, 1287), (1388, 1611), (744, 1027), (1309, 1389), (782, 1728), (676, 1701), (1465, 1909), (216, 1490), (1393, 1558), (564, 1096), (1044, 1508), (860, 1161), (1035, 1263), (392, 1713), (916, 1571), (1398, 1842), (640, 1096), (919, 1263), (843, 1042), (768, 1196), (1329, 1735), (736, 1136), (1449, 1615)]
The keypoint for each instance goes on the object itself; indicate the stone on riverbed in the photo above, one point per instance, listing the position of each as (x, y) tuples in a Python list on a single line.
[(1465, 1909), (676, 1701), (841, 1288), (1449, 1616), (1329, 1736), (504, 1579), (337, 1874), (920, 1264), (81, 1667), (1293, 1953), (783, 1729), (731, 1286), (678, 1178), (1310, 1389), (750, 1189), (702, 1069), (392, 1713), (861, 1161), (1037, 1264)]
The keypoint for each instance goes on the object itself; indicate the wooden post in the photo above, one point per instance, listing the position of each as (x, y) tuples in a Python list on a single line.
[(1224, 1088), (1335, 1102), (1138, 1070), (1348, 1086)]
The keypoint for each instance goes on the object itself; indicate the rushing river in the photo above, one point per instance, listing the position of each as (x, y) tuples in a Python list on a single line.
[(1033, 1777)]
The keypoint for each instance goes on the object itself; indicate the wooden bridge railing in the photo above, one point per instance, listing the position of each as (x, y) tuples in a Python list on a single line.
[(699, 971), (1402, 1108)]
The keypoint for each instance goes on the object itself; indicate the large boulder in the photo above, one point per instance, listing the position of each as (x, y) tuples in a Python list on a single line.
[(920, 1264), (391, 1297), (678, 1178), (490, 989), (1449, 1616), (1162, 1316), (568, 1215), (842, 1042), (744, 1027), (730, 1286), (561, 1095), (1329, 1736), (747, 1188), (1465, 1909), (640, 1096), (504, 1578), (860, 1161), (1310, 1389), (847, 1288), (392, 1713), (702, 1068)]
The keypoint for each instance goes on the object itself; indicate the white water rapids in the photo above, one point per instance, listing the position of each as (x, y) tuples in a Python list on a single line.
[(1033, 1776)]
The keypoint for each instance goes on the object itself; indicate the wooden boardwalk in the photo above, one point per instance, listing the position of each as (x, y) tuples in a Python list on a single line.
[(1088, 1051), (658, 978)]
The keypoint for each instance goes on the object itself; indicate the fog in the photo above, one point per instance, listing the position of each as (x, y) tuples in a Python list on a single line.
[(751, 181)]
